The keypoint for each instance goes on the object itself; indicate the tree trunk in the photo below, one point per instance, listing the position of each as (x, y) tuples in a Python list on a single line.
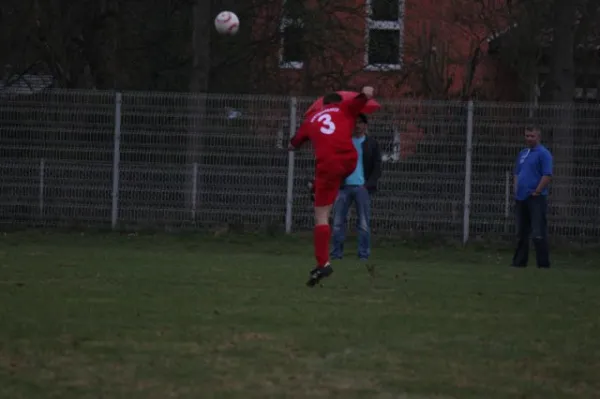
[(197, 104), (200, 46), (101, 51), (561, 89)]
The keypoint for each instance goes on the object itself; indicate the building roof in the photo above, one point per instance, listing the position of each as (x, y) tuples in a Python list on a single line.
[(26, 84)]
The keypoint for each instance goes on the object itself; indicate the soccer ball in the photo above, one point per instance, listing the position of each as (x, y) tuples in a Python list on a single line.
[(227, 23)]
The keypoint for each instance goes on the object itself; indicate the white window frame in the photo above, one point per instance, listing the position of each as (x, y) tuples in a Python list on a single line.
[(385, 25), (284, 23), (586, 93)]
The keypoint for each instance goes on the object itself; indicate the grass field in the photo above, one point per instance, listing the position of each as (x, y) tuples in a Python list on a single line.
[(109, 316)]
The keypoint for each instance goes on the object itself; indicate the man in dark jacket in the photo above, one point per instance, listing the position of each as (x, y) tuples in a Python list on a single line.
[(357, 188)]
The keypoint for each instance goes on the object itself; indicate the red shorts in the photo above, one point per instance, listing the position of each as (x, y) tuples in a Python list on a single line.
[(329, 176)]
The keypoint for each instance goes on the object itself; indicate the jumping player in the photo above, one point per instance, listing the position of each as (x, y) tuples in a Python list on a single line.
[(330, 132)]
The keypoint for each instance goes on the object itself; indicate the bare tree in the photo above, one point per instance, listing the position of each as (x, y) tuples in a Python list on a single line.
[(548, 47), (560, 88), (325, 39), (445, 49), (100, 44)]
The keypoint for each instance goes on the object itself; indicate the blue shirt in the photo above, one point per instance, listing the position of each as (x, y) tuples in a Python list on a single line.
[(532, 164), (357, 178)]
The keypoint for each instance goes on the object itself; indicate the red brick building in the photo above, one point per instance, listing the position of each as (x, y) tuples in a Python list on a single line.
[(420, 48)]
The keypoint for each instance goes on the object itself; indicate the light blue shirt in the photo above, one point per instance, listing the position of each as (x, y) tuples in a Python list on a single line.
[(357, 178), (531, 165)]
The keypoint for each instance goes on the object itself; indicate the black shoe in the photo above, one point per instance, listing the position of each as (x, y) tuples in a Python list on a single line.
[(518, 266), (319, 273)]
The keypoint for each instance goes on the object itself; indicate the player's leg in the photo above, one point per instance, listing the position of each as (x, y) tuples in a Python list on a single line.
[(329, 177), (322, 231), (326, 190), (341, 207)]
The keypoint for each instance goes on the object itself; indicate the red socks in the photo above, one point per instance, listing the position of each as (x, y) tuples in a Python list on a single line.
[(322, 234)]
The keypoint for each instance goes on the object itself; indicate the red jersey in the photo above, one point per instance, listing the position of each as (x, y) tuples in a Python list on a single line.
[(330, 130)]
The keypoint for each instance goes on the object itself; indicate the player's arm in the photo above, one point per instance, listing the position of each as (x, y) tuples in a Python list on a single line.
[(356, 105), (300, 137)]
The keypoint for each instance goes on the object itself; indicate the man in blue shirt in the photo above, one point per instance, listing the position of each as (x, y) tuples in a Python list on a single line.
[(532, 175), (357, 188)]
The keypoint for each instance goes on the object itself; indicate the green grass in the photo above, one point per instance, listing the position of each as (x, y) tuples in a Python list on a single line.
[(117, 316)]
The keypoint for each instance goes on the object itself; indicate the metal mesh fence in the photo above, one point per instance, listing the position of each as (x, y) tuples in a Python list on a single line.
[(571, 133), (202, 161), (422, 185), (156, 160), (56, 150)]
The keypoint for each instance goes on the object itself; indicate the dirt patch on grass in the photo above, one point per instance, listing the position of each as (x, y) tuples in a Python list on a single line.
[(243, 338), (294, 383), (12, 363)]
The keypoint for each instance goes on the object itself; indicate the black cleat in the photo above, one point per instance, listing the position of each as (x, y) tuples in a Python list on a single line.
[(319, 273)]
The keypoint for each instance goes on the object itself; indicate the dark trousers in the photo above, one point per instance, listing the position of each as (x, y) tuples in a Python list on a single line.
[(531, 221)]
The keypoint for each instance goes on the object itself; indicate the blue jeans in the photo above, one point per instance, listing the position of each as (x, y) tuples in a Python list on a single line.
[(360, 196)]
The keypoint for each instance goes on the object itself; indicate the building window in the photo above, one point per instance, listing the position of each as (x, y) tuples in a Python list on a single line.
[(384, 34), (586, 88), (292, 31)]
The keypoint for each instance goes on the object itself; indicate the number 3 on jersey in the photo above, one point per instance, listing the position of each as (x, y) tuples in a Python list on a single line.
[(327, 126)]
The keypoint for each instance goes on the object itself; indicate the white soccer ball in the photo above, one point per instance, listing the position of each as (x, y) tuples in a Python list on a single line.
[(227, 23)]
